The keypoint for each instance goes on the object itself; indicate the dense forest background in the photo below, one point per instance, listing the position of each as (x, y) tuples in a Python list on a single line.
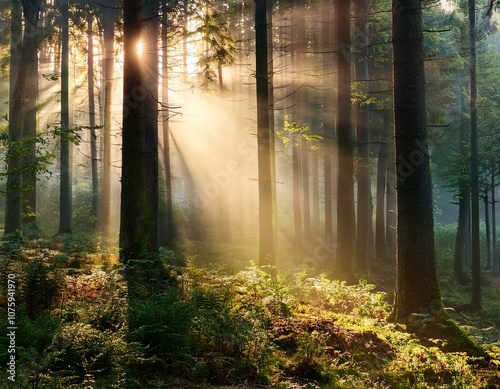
[(277, 194)]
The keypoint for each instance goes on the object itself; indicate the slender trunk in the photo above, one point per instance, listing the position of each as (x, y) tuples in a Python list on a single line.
[(417, 288), (272, 137), (315, 191), (266, 228), (488, 230), (345, 178), (109, 65), (92, 120), (475, 303), (297, 214), (380, 242), (461, 248), (305, 193), (169, 234), (391, 207), (65, 208), (496, 259)]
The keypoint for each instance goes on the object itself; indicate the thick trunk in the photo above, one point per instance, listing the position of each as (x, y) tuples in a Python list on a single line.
[(345, 178), (364, 214), (135, 221), (150, 112), (266, 228), (417, 289), (92, 120), (65, 201)]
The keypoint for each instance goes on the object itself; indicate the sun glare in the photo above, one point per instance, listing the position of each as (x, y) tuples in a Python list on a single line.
[(139, 48), (447, 6)]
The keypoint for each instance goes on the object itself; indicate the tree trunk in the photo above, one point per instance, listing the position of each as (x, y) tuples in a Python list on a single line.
[(65, 201), (488, 230), (135, 221), (169, 233), (391, 207), (92, 120), (305, 192), (475, 303), (417, 289), (18, 75), (364, 214), (345, 178), (109, 65), (496, 260), (461, 248), (266, 228), (328, 125), (150, 112), (380, 243), (315, 191), (297, 214), (30, 129)]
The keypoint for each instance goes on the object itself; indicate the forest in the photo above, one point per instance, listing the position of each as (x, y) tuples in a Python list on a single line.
[(256, 194)]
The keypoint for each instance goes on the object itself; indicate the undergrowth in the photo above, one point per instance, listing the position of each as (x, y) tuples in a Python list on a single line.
[(87, 324)]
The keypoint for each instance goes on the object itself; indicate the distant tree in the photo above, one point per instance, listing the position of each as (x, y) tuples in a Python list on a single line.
[(92, 113), (475, 303), (417, 289)]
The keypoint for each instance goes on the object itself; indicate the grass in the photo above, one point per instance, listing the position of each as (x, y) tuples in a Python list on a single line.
[(218, 322)]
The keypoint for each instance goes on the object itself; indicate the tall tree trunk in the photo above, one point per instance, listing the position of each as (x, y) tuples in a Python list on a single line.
[(65, 201), (17, 83), (364, 214), (150, 112), (297, 214), (135, 221), (488, 229), (391, 207), (475, 303), (462, 249), (169, 233), (345, 178), (92, 120), (315, 191), (380, 242), (272, 137), (109, 65), (462, 242), (328, 123), (496, 260), (266, 228), (305, 192), (417, 289), (29, 131)]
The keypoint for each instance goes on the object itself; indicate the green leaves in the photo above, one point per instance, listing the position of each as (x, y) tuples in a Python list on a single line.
[(294, 134)]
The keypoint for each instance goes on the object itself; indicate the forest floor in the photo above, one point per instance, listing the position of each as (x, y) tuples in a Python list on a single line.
[(211, 319)]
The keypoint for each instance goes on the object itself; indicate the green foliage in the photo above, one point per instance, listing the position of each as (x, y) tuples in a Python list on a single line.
[(294, 134), (41, 287)]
